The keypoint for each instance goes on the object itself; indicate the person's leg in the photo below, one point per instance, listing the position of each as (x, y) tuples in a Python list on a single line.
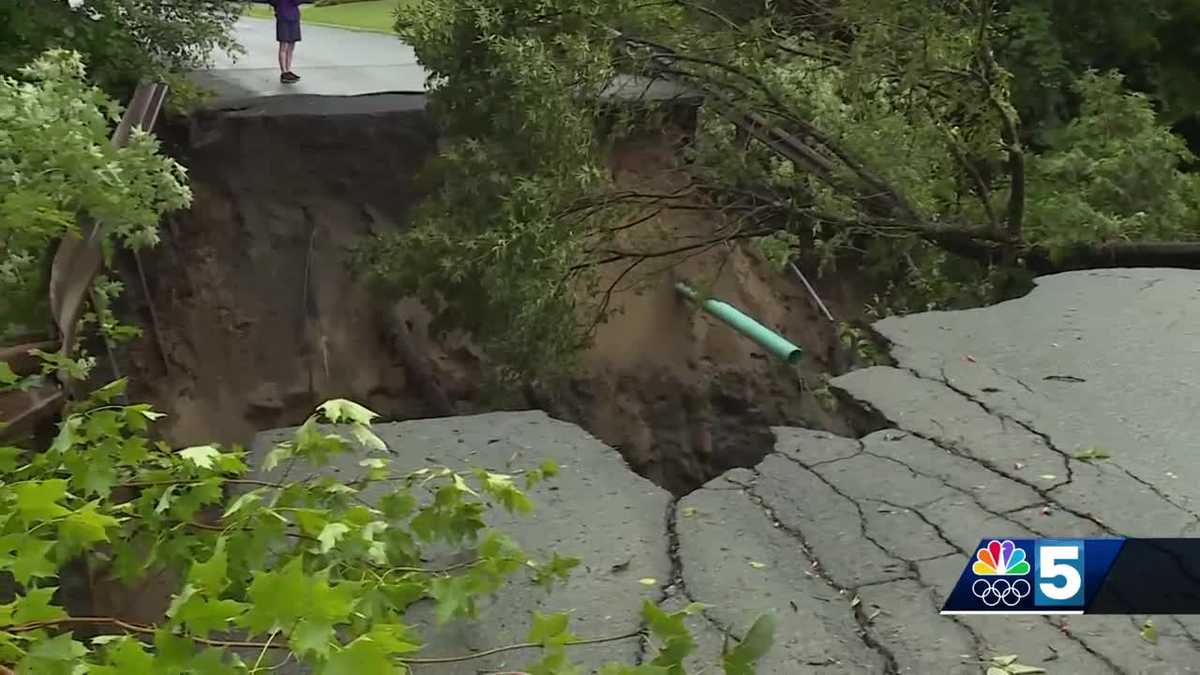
[(291, 49), (283, 57)]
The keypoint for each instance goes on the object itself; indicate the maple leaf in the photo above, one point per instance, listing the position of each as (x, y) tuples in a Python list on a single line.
[(202, 456)]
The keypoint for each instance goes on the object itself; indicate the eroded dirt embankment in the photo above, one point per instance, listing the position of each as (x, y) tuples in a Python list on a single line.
[(261, 317)]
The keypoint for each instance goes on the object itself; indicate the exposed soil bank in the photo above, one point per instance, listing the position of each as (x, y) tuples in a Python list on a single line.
[(261, 316)]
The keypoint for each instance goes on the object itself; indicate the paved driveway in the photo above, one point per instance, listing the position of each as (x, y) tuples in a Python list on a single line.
[(330, 61)]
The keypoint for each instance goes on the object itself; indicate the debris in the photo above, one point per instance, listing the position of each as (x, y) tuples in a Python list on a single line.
[(1063, 378), (756, 565), (648, 581), (688, 511), (969, 359), (620, 567), (1092, 454), (1008, 665), (1048, 476), (1019, 465), (1148, 632), (1046, 510), (855, 602)]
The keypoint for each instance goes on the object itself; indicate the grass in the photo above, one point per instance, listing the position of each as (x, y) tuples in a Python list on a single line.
[(377, 16)]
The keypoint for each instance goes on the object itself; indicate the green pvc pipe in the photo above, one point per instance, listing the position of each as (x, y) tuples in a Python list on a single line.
[(763, 336)]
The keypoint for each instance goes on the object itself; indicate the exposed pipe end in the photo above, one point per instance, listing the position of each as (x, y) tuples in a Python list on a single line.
[(794, 356)]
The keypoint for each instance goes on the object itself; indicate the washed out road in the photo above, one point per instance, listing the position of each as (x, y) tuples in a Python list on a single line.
[(855, 543)]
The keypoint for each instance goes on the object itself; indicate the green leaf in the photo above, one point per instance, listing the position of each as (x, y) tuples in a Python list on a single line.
[(557, 569), (202, 456), (58, 655), (7, 376), (85, 527), (315, 637), (367, 438), (278, 454), (1022, 669), (550, 629), (202, 615), (453, 596), (330, 535), (741, 659), (243, 501), (394, 638), (109, 392), (1149, 632), (10, 458), (67, 434), (670, 628), (280, 599), (1092, 454), (501, 487), (212, 576), (38, 500), (360, 657), (35, 606), (340, 410), (124, 655), (32, 560)]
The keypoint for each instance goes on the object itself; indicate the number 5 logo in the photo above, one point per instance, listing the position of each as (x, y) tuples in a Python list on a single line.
[(1059, 573)]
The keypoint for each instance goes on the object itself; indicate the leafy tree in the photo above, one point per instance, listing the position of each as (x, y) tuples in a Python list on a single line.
[(886, 131), (57, 165), (270, 570), (1051, 44), (121, 40)]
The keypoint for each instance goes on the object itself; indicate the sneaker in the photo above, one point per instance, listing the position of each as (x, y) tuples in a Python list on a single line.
[(294, 77), (288, 78)]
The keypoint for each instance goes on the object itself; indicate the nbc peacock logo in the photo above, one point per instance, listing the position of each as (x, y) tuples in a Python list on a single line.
[(1000, 559)]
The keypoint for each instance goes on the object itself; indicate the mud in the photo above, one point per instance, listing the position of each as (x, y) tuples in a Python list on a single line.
[(260, 315)]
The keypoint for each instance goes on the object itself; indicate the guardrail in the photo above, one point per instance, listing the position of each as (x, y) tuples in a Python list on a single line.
[(76, 263)]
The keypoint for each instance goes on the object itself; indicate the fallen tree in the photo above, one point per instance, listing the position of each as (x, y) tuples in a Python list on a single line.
[(878, 129)]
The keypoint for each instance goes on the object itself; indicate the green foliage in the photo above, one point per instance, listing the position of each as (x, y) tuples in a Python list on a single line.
[(910, 114), (516, 88), (121, 40), (1113, 173), (57, 166), (284, 569), (1051, 43)]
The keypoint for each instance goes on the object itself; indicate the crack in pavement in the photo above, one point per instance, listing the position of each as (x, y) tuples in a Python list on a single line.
[(1049, 500), (990, 466), (944, 380), (891, 667), (911, 565), (1067, 457), (1074, 638), (974, 497), (675, 582)]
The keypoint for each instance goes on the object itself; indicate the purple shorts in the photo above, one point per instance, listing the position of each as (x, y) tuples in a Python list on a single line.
[(287, 30)]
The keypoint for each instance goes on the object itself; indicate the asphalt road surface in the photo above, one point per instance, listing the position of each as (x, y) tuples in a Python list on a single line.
[(856, 543), (330, 62)]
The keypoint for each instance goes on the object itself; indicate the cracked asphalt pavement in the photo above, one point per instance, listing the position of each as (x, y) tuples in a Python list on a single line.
[(855, 543)]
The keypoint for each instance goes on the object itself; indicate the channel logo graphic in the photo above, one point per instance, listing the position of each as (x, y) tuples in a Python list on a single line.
[(1030, 576), (1000, 559)]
